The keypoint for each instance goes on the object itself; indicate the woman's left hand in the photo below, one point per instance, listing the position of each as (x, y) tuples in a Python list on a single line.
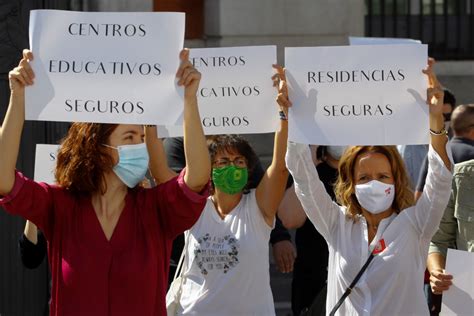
[(435, 93), (279, 81), (188, 76)]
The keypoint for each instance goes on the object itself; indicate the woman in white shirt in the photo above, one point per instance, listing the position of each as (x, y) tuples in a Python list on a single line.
[(226, 267), (377, 214)]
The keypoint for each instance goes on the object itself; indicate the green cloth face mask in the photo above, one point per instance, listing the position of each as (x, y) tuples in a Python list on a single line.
[(230, 179)]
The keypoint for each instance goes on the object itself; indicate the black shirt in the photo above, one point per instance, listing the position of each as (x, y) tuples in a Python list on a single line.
[(32, 255), (463, 150)]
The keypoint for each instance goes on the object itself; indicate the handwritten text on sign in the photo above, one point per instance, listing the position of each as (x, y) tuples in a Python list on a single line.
[(105, 67), (357, 95), (236, 93)]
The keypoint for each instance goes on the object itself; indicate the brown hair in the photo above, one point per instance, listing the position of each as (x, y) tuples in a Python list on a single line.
[(82, 160), (345, 184), (234, 144)]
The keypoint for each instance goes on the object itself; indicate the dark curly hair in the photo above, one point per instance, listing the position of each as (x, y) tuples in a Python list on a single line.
[(82, 160), (233, 144)]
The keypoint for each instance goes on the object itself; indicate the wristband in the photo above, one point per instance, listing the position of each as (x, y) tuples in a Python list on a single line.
[(439, 133), (283, 116)]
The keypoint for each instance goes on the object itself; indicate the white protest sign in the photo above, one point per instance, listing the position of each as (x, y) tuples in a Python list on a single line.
[(45, 163), (358, 95), (459, 299), (236, 93), (105, 67), (355, 40)]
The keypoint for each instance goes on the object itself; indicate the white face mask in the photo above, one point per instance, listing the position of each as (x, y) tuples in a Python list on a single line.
[(375, 196), (336, 151)]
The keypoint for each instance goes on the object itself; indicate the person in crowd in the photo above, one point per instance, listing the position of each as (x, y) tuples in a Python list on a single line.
[(377, 219), (310, 269), (283, 251), (456, 230), (462, 143), (226, 268), (33, 247), (109, 241), (414, 155)]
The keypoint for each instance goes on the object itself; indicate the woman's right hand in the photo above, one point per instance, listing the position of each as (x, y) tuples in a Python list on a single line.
[(22, 75)]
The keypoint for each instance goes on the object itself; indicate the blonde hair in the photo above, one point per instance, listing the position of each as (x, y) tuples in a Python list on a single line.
[(345, 184)]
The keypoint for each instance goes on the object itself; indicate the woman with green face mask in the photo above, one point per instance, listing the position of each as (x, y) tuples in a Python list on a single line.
[(226, 265)]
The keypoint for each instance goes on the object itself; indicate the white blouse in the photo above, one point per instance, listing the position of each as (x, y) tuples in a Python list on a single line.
[(393, 282)]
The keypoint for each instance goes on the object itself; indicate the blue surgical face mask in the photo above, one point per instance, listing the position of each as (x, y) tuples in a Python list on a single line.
[(133, 163)]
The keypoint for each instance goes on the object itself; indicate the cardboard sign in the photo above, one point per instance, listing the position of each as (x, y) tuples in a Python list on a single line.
[(358, 95), (236, 93), (105, 67), (45, 163)]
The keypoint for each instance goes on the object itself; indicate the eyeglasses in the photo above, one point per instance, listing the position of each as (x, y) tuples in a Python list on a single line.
[(239, 162)]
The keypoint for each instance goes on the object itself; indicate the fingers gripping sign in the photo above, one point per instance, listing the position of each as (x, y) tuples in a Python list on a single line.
[(440, 281), (22, 75)]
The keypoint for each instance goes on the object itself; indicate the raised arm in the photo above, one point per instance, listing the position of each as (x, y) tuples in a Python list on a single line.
[(432, 202), (318, 205), (159, 168), (271, 188), (10, 131), (198, 162), (435, 98)]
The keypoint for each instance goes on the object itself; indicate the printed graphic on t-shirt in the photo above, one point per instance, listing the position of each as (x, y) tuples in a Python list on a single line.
[(216, 253)]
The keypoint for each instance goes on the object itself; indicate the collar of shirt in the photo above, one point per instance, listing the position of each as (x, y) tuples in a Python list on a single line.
[(462, 140)]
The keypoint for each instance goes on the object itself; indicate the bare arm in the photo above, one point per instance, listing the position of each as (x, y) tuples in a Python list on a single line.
[(430, 207), (31, 232), (198, 162), (271, 188), (435, 97), (10, 132), (290, 211), (159, 168)]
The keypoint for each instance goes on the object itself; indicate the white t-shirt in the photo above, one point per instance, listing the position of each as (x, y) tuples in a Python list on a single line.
[(393, 282), (227, 263)]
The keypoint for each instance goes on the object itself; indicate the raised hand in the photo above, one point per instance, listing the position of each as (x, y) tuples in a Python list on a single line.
[(188, 76), (22, 75), (279, 81), (435, 93)]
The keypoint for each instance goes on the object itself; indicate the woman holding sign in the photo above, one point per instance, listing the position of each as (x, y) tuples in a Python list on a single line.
[(226, 265), (109, 240), (378, 239)]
